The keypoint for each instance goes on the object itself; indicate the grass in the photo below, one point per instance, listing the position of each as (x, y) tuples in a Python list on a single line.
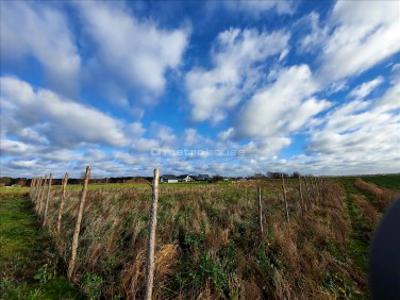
[(27, 263), (208, 241), (359, 241), (107, 186), (391, 181)]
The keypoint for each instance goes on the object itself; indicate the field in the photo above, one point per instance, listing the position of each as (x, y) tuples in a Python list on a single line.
[(209, 244)]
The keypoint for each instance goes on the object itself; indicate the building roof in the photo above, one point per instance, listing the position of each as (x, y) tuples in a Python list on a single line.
[(183, 176), (168, 176)]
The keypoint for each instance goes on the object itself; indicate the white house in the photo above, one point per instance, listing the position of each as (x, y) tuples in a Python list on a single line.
[(168, 179), (185, 178)]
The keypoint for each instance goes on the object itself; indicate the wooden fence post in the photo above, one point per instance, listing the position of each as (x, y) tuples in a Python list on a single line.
[(260, 211), (41, 196), (314, 183), (46, 208), (284, 199), (302, 207), (36, 193), (31, 187), (61, 209), (75, 238), (318, 182), (35, 189), (152, 237)]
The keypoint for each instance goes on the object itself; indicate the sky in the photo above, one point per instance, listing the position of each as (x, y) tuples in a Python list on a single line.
[(219, 87)]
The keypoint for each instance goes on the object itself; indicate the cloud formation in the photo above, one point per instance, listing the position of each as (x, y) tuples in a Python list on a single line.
[(263, 86), (29, 29), (61, 121), (357, 36), (137, 52), (237, 58)]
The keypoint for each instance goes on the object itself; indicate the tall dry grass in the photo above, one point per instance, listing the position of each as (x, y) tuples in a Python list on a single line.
[(383, 196), (209, 244)]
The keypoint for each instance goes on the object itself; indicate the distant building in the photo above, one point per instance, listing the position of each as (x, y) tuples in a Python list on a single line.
[(185, 178), (168, 179), (202, 177)]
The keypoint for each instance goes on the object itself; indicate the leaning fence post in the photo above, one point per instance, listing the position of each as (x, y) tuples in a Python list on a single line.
[(35, 189), (60, 210), (318, 182), (41, 196), (260, 211), (315, 188), (152, 237), (46, 208), (36, 193), (31, 187), (75, 238), (284, 199), (302, 208)]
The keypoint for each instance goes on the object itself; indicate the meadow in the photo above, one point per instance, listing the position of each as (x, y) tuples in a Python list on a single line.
[(210, 243)]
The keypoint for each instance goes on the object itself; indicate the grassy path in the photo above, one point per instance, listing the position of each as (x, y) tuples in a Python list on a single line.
[(28, 262), (359, 242), (357, 200)]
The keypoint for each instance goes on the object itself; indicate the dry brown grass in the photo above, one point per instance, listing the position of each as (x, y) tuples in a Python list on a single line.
[(369, 212), (383, 196), (209, 245)]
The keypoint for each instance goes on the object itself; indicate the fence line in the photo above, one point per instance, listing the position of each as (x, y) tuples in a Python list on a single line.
[(312, 188)]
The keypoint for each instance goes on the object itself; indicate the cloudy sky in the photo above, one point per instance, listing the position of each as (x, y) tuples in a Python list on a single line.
[(219, 87)]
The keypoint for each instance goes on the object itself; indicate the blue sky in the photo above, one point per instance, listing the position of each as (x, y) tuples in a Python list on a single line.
[(218, 87)]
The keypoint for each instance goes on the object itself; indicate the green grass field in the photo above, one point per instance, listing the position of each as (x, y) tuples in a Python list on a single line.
[(388, 181), (28, 263)]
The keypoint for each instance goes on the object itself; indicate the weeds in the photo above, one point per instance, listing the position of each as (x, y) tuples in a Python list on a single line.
[(209, 244)]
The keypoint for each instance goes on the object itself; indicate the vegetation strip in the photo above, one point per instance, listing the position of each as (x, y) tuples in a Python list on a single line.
[(27, 261)]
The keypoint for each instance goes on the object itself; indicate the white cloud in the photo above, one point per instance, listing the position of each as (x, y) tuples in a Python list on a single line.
[(362, 34), (391, 100), (164, 134), (236, 59), (364, 89), (29, 29), (63, 121), (14, 147), (281, 107), (318, 34), (136, 129), (361, 135), (227, 134), (139, 53), (23, 164)]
